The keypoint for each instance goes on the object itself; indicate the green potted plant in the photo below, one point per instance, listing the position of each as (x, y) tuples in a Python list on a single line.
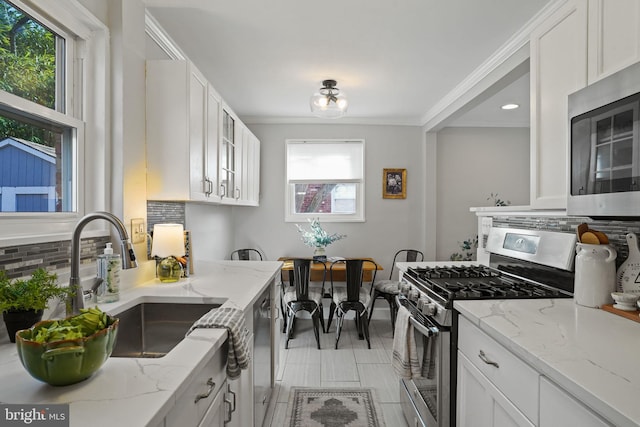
[(22, 301)]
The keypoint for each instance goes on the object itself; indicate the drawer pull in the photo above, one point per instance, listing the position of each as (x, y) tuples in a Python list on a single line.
[(211, 385), (484, 358), (232, 393)]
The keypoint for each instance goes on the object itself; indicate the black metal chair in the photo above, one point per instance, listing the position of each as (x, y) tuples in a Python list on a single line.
[(300, 297), (388, 289), (246, 255), (353, 297)]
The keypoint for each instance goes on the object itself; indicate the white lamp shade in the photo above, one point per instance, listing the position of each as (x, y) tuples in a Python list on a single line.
[(168, 240)]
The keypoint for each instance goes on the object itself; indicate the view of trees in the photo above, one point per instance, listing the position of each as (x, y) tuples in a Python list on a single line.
[(27, 69)]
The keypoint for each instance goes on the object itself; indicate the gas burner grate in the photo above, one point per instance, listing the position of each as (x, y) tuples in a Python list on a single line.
[(480, 282)]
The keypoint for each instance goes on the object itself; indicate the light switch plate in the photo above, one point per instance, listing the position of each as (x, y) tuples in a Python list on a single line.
[(138, 233)]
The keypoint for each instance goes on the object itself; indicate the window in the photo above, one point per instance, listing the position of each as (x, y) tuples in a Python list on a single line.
[(325, 179), (48, 53), (36, 137)]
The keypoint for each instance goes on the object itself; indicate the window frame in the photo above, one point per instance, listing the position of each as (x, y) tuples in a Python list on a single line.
[(289, 188), (84, 110)]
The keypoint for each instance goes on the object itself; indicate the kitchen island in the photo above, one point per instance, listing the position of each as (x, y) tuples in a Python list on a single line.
[(142, 391), (589, 353)]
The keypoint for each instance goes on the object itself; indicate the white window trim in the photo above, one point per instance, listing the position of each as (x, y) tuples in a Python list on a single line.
[(87, 111), (289, 197)]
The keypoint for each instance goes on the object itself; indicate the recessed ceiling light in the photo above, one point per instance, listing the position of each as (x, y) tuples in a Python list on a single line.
[(509, 106)]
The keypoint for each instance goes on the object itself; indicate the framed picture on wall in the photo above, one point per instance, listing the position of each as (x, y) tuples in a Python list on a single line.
[(394, 183)]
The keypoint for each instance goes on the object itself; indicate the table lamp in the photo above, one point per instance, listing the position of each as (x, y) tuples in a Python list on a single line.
[(168, 242)]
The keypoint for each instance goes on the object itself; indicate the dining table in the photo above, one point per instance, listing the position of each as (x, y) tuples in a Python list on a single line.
[(337, 273)]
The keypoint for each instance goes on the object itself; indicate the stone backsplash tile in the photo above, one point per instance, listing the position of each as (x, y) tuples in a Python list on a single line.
[(20, 261), (164, 212)]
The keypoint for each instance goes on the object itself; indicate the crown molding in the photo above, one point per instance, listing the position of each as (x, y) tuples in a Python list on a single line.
[(507, 57), (161, 38), (382, 121)]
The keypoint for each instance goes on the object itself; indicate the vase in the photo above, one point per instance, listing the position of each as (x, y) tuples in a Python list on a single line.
[(319, 254), (16, 320)]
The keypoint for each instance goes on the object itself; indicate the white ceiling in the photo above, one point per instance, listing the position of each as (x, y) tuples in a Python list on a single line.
[(395, 59)]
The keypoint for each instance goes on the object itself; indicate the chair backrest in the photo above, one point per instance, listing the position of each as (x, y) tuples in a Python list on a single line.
[(246, 255), (300, 276), (354, 269), (406, 255)]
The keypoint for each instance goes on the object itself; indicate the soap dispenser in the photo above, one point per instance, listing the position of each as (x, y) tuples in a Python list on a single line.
[(109, 271)]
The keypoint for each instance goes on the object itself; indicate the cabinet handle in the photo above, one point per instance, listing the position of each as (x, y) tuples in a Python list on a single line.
[(233, 393), (229, 412), (237, 193), (232, 405), (484, 358), (211, 385), (210, 182), (223, 190)]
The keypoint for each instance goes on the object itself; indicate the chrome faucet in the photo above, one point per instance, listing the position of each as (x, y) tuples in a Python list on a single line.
[(76, 302)]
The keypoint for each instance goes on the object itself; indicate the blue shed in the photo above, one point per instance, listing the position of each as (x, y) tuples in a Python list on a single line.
[(27, 176)]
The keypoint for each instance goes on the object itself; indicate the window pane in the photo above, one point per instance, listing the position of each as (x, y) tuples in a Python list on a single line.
[(325, 198), (35, 166), (27, 57)]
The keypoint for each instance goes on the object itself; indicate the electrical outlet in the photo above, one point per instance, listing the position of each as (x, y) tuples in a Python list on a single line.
[(138, 233)]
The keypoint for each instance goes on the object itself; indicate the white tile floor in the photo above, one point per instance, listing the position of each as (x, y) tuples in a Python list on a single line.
[(351, 365)]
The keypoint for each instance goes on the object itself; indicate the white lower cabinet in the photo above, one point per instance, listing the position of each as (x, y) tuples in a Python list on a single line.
[(243, 387), (201, 392), (480, 403), (558, 408), (497, 388), (512, 378), (219, 411)]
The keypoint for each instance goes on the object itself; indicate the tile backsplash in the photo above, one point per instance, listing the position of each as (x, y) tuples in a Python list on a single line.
[(616, 230), (20, 261)]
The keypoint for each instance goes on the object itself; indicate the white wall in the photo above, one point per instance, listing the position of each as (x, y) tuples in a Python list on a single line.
[(390, 224), (212, 231), (472, 163)]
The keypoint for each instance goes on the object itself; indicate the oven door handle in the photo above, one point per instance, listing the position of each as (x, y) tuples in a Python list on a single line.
[(428, 331)]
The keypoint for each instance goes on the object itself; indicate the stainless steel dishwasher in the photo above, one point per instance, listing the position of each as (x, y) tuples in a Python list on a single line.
[(262, 366)]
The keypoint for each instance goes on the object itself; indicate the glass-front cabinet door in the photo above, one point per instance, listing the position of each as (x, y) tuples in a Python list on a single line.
[(227, 155)]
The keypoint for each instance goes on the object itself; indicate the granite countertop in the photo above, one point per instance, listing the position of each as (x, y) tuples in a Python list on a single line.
[(138, 392), (591, 353)]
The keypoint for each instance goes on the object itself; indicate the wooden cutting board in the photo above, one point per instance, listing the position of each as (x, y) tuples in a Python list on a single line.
[(633, 315)]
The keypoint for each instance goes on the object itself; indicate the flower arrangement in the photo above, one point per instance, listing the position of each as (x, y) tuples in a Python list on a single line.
[(317, 237)]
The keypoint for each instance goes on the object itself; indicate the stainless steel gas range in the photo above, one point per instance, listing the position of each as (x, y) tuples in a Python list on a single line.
[(523, 264)]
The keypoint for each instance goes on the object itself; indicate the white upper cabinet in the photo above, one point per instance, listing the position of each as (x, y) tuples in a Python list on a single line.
[(584, 41), (195, 148), (614, 36), (247, 167), (176, 131), (227, 157), (558, 68)]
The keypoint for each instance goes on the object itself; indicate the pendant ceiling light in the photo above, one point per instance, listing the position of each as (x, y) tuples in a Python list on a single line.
[(329, 102)]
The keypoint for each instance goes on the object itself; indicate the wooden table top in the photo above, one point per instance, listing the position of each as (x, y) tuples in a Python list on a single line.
[(318, 268)]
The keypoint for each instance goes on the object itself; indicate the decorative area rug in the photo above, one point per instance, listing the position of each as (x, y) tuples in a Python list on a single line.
[(334, 407)]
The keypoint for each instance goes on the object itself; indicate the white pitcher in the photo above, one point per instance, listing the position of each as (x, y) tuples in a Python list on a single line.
[(595, 276)]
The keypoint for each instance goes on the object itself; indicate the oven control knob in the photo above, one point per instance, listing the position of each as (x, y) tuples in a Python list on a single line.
[(430, 309)]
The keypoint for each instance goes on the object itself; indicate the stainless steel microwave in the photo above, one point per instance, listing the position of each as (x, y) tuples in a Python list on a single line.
[(604, 157)]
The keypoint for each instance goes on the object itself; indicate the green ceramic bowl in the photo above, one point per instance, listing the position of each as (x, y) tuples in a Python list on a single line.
[(69, 361)]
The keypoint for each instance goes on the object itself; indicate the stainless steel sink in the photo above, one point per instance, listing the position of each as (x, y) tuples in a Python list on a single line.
[(152, 329)]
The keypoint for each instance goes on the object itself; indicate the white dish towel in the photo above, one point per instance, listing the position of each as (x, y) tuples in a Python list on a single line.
[(231, 319), (405, 352)]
